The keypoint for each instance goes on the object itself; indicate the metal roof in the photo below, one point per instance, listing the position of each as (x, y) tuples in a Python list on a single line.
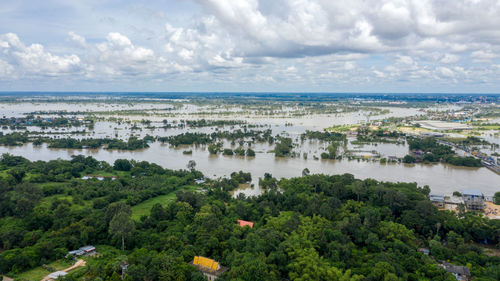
[(474, 192), (436, 197), (57, 274)]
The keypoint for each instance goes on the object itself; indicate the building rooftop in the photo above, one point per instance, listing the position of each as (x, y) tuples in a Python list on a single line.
[(435, 197), (87, 248), (474, 192), (457, 269), (245, 223), (57, 274), (208, 265)]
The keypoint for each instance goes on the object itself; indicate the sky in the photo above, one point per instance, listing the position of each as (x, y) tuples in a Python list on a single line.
[(251, 45)]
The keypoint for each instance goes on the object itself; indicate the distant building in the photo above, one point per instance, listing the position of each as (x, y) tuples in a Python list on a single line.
[(473, 199), (210, 268), (437, 200), (245, 223), (76, 253), (88, 249), (424, 251), (462, 273), (57, 274), (85, 250)]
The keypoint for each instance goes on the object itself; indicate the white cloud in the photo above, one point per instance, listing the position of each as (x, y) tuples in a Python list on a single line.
[(483, 56), (77, 39), (34, 59), (449, 58), (5, 69), (307, 42)]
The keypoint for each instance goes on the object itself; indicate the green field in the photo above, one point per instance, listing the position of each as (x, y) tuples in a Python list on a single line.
[(38, 273), (144, 208)]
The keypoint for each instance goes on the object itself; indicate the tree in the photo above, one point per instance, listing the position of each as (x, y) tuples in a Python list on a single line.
[(213, 148), (332, 150), (305, 172), (115, 208), (121, 226), (359, 189), (250, 152), (122, 165), (17, 174), (408, 159), (191, 165), (496, 198)]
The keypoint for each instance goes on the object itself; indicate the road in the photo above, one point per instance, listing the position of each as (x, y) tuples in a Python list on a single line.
[(78, 263)]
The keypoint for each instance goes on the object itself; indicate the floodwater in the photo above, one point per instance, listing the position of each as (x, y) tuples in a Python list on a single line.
[(442, 178)]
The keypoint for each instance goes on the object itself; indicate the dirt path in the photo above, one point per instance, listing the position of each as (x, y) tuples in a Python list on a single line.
[(492, 211), (78, 263)]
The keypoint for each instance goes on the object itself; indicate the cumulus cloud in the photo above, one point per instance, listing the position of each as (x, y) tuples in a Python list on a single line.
[(308, 42), (34, 59), (77, 39)]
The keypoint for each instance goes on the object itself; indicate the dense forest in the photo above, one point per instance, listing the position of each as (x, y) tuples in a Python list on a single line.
[(314, 227)]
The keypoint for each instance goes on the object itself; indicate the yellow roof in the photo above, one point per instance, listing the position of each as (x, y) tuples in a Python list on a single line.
[(206, 262)]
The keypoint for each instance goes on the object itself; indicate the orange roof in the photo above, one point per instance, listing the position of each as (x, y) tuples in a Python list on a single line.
[(245, 223)]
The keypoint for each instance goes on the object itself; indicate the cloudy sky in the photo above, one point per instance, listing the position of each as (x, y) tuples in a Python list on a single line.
[(250, 45)]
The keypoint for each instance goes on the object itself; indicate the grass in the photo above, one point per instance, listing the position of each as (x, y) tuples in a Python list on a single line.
[(405, 129), (39, 272), (144, 208), (48, 200), (342, 128)]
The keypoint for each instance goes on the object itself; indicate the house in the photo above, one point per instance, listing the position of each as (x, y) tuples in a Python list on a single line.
[(418, 153), (437, 200), (85, 250), (473, 199), (76, 253), (392, 158), (245, 223), (88, 249), (57, 274), (209, 267), (424, 251), (462, 273)]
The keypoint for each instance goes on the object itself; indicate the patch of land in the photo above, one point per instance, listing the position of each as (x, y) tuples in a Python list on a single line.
[(40, 272), (144, 208), (492, 211)]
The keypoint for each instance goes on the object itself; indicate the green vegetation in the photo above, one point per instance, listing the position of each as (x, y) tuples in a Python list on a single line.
[(332, 151), (434, 152), (250, 152), (303, 223), (283, 147), (367, 135), (496, 198), (39, 272), (313, 227), (324, 136), (13, 139), (409, 159), (144, 208), (212, 123)]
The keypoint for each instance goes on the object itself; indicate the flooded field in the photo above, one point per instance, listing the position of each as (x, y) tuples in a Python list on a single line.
[(442, 178)]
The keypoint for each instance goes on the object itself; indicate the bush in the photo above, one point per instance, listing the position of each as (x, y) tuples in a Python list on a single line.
[(408, 159)]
